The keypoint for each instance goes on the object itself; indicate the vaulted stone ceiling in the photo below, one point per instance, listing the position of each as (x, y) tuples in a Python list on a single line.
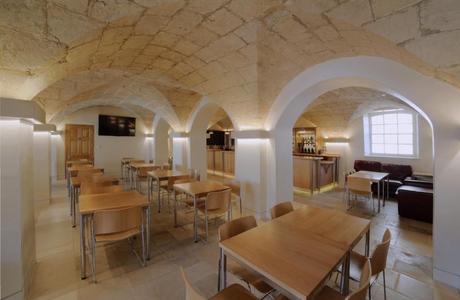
[(332, 111), (164, 55)]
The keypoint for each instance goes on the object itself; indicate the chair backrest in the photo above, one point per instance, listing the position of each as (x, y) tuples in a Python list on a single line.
[(117, 220), (235, 185), (195, 174), (190, 292), (359, 184), (235, 227), (89, 172), (361, 292), (143, 170), (281, 209), (178, 179), (219, 200), (99, 188), (380, 254)]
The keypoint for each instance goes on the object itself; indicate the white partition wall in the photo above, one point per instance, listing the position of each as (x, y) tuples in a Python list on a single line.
[(16, 195), (42, 163)]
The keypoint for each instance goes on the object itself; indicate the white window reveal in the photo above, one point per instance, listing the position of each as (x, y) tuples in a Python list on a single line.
[(391, 133)]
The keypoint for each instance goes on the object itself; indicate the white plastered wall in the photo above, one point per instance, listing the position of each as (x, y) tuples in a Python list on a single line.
[(42, 166), (108, 150), (161, 141)]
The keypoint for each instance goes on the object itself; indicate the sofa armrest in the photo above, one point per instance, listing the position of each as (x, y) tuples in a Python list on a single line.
[(419, 181)]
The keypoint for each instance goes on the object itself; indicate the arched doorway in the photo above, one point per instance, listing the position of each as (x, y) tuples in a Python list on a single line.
[(206, 115), (422, 93)]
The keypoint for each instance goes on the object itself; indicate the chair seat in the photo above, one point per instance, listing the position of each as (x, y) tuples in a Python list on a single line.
[(328, 293), (113, 237), (248, 276), (234, 292)]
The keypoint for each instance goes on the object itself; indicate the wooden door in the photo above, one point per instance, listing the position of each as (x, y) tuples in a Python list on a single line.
[(79, 142)]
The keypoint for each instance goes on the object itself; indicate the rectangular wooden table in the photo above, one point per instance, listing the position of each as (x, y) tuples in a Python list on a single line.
[(133, 169), (198, 189), (158, 176), (75, 184), (90, 204), (376, 177), (298, 251)]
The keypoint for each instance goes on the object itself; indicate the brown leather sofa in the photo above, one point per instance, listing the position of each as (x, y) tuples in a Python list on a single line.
[(398, 173), (415, 202)]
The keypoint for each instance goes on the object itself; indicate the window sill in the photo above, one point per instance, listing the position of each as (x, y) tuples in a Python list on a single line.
[(391, 156)]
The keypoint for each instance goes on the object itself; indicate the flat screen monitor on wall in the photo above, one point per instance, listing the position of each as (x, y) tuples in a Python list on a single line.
[(117, 126)]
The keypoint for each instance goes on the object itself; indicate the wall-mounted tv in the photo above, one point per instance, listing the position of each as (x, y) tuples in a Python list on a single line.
[(216, 138), (117, 126)]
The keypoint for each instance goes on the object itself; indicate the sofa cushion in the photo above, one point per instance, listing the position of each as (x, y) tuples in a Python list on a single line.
[(415, 203), (397, 172), (414, 189), (367, 165)]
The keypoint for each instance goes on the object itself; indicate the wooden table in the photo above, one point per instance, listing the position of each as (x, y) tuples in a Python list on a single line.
[(158, 176), (133, 169), (298, 251), (376, 177), (90, 204), (75, 183), (198, 189), (73, 170)]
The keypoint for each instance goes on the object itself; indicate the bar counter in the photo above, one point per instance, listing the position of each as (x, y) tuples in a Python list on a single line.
[(313, 171)]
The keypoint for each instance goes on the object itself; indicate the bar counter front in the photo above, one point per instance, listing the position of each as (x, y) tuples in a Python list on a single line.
[(313, 171)]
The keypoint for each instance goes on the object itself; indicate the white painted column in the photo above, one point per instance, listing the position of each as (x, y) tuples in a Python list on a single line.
[(42, 163), (180, 145), (252, 152), (17, 208), (160, 144)]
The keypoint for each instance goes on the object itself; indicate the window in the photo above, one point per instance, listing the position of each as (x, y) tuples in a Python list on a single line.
[(391, 133)]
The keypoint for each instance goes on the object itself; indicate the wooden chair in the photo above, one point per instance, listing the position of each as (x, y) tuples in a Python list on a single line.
[(116, 225), (251, 278), (281, 209), (167, 188), (142, 176), (361, 187), (328, 293), (99, 188), (378, 262), (232, 292), (235, 185), (216, 204)]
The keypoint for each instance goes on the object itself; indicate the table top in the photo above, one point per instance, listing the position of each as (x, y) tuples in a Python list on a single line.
[(298, 250), (373, 176), (89, 204), (78, 162), (199, 188), (76, 181), (165, 174), (142, 165)]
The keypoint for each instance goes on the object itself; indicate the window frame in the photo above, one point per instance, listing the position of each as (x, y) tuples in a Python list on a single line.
[(367, 128)]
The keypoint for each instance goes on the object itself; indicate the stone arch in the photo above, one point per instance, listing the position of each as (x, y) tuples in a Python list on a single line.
[(196, 128), (422, 93)]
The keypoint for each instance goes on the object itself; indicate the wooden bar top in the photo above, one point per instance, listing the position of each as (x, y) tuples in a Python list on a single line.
[(298, 250), (199, 188), (89, 204)]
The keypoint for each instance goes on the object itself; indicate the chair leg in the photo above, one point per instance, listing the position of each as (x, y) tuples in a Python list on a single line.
[(384, 286), (218, 274), (93, 251), (370, 296), (241, 207), (206, 225)]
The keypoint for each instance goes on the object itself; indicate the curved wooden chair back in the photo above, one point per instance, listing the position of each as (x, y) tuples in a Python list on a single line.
[(380, 254), (88, 188), (136, 161), (178, 179), (281, 209), (117, 220), (144, 170), (361, 185), (190, 292), (234, 185), (236, 227), (219, 201), (361, 292)]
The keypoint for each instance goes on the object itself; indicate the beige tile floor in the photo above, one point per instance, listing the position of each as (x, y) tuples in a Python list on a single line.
[(409, 272)]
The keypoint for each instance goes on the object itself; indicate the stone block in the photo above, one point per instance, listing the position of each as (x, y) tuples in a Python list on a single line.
[(357, 12), (222, 22)]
